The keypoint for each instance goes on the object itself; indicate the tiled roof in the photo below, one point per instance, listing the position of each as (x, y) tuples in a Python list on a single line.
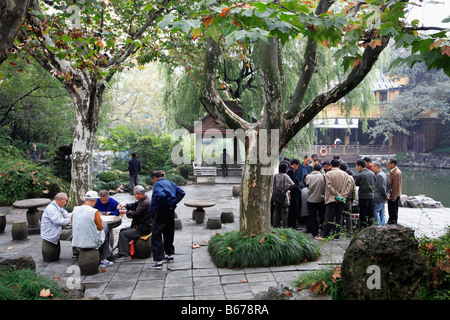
[(384, 83)]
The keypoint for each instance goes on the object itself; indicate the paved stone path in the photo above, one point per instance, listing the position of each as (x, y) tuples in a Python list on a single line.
[(192, 276)]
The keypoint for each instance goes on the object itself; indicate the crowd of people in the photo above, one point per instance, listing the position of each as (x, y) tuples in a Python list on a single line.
[(323, 196), (85, 228)]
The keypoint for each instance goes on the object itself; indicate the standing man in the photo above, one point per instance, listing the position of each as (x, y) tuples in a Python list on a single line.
[(134, 167), (337, 186), (225, 161), (315, 183), (141, 225), (295, 194), (394, 190), (304, 169), (165, 198), (380, 193), (366, 182)]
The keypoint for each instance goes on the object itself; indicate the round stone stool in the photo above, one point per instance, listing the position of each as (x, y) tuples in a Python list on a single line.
[(143, 247), (2, 222), (178, 224), (227, 217), (19, 230), (89, 260), (236, 190), (198, 215), (213, 223), (50, 251)]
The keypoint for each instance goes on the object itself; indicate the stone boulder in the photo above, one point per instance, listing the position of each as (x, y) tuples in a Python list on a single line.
[(25, 262), (382, 263), (419, 201)]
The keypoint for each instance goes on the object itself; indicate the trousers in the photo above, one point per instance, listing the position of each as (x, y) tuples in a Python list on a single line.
[(163, 232), (125, 236), (333, 219), (393, 210)]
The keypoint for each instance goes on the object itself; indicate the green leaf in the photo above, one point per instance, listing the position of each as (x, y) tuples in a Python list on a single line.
[(166, 21)]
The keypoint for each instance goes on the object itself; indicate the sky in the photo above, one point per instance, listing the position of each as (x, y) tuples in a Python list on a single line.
[(431, 13)]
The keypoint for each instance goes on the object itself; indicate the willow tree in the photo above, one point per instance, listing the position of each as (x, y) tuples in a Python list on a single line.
[(83, 44), (359, 32)]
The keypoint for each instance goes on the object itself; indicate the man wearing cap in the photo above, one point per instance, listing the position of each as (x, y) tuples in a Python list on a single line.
[(89, 230)]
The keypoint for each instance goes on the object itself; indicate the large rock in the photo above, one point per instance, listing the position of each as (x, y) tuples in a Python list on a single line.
[(382, 263), (25, 262)]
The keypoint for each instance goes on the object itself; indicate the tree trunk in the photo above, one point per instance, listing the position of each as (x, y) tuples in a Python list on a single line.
[(256, 188), (87, 102), (12, 16)]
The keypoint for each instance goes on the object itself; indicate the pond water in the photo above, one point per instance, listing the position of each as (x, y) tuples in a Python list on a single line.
[(434, 183)]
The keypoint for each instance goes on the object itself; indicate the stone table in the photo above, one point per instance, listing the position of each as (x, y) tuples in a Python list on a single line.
[(199, 213), (33, 215)]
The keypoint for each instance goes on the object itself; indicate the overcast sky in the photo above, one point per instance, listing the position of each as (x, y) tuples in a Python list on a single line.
[(431, 14)]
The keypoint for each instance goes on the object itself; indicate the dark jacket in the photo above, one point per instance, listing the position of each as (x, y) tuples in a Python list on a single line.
[(140, 213), (134, 166), (366, 182), (165, 193)]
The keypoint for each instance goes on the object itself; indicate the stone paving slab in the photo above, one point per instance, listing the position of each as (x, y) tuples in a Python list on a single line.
[(192, 276)]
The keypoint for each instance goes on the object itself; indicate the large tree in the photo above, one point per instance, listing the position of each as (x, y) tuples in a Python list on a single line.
[(12, 15), (360, 33), (83, 44)]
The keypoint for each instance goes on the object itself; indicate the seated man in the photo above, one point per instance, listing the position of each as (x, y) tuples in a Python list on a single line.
[(106, 205), (89, 230), (141, 225), (54, 219)]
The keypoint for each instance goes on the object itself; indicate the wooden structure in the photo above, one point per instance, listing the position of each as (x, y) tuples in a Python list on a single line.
[(206, 128)]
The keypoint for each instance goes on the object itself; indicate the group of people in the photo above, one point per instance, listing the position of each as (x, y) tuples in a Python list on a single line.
[(321, 195), (85, 229)]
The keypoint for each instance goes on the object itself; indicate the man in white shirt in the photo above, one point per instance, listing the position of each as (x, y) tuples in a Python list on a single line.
[(54, 218)]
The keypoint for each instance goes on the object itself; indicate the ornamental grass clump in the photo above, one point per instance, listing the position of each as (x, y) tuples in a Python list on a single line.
[(26, 285), (283, 246)]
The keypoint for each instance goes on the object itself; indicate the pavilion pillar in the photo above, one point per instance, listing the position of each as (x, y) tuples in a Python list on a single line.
[(198, 148)]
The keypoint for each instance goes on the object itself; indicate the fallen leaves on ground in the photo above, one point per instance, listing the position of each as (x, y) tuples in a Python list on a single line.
[(45, 293)]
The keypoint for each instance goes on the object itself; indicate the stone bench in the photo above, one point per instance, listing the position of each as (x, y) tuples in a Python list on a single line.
[(50, 251), (143, 247), (88, 261), (227, 216), (19, 230), (2, 222), (213, 223)]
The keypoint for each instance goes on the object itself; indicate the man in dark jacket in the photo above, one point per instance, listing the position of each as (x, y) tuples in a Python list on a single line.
[(141, 225), (366, 181), (165, 198), (295, 200), (134, 167)]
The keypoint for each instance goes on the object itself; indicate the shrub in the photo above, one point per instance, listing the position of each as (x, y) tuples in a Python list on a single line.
[(108, 176), (21, 179), (322, 281), (26, 285), (436, 253), (283, 246)]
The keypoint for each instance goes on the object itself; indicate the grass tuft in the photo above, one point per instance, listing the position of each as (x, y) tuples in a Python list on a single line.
[(283, 246)]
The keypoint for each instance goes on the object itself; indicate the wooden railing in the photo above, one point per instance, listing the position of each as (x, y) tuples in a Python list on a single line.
[(330, 150)]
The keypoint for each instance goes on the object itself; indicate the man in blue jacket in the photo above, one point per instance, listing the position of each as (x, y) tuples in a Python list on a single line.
[(165, 198), (105, 204)]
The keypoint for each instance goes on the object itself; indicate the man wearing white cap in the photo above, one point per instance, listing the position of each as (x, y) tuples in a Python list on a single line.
[(88, 229)]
